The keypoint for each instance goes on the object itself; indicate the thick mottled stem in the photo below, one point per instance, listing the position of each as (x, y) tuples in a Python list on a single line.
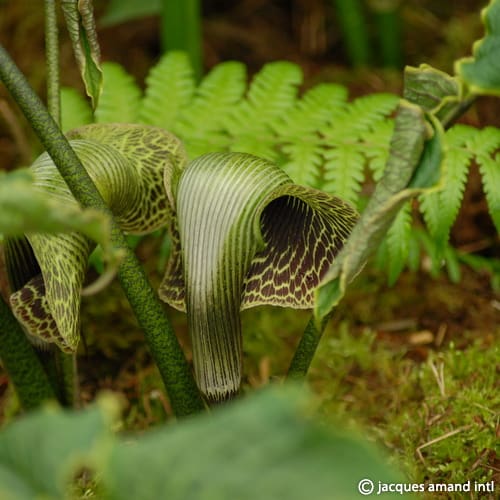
[(22, 363), (67, 362), (160, 336), (306, 350)]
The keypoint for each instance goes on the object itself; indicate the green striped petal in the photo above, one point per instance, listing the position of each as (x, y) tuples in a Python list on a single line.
[(247, 236)]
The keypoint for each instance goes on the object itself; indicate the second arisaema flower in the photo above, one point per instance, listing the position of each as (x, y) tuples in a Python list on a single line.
[(244, 235)]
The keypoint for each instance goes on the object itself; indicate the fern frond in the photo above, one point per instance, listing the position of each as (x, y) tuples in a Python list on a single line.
[(480, 141), (452, 264), (312, 111), (430, 208), (367, 112), (120, 97), (304, 160), (346, 133), (440, 208), (490, 173), (398, 243), (376, 144), (484, 145), (298, 131), (259, 143), (344, 172), (450, 197), (75, 109), (435, 255), (170, 88), (271, 94), (273, 91), (414, 257), (201, 122)]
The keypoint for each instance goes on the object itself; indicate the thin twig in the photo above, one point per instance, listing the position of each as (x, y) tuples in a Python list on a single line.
[(52, 61), (440, 438)]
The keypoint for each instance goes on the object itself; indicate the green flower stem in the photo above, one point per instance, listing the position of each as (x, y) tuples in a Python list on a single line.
[(181, 29), (22, 363), (66, 363), (164, 346), (387, 19), (52, 61), (68, 377), (354, 31), (306, 349)]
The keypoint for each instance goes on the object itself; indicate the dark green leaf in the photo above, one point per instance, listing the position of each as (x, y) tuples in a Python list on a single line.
[(435, 91), (482, 71), (79, 17), (428, 172)]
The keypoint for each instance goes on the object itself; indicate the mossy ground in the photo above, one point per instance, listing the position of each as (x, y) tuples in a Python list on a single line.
[(414, 368)]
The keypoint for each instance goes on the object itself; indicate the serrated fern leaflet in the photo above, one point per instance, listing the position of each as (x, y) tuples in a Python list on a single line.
[(319, 138)]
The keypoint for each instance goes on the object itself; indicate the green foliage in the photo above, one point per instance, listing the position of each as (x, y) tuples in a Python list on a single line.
[(348, 151), (202, 120), (120, 11), (65, 443), (75, 109), (414, 159), (398, 242), (170, 87), (481, 71), (265, 437), (464, 145), (25, 210), (120, 98), (320, 138)]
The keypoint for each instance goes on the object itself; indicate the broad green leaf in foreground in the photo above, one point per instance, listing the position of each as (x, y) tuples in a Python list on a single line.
[(26, 209), (261, 447), (482, 70), (41, 453)]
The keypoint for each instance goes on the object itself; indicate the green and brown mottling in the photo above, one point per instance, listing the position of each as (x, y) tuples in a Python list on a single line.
[(129, 165)]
